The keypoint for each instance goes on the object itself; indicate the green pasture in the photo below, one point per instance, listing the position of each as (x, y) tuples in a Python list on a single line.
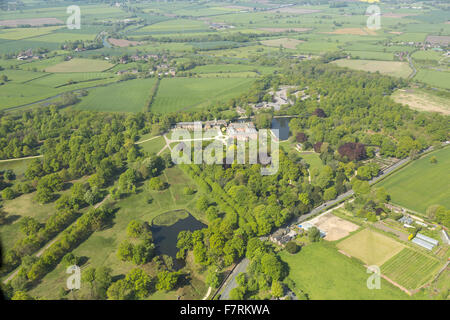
[(193, 93), (421, 183)]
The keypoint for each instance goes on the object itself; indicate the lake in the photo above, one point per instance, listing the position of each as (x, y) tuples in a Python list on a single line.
[(282, 124), (165, 237)]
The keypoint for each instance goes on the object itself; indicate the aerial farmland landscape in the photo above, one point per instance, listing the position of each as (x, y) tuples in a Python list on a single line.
[(267, 150)]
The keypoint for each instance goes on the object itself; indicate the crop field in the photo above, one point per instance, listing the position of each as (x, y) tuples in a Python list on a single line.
[(80, 65), (125, 96), (23, 33), (391, 68), (61, 79), (186, 93), (421, 183), (422, 101), (324, 273), (410, 268), (371, 247)]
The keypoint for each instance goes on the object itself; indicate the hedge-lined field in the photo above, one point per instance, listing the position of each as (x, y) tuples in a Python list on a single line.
[(192, 93), (125, 96), (421, 184), (324, 273)]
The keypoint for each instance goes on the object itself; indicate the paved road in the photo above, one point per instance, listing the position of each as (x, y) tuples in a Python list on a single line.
[(231, 281), (24, 158)]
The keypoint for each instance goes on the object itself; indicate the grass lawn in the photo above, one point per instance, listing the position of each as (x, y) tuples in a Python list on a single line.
[(312, 159), (80, 65), (100, 248), (124, 96), (193, 93), (391, 68), (421, 183), (324, 273), (153, 146), (371, 247), (410, 268)]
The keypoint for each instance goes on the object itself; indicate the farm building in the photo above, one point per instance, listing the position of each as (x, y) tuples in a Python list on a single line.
[(425, 242)]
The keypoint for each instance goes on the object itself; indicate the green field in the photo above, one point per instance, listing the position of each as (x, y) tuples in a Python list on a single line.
[(126, 96), (324, 273), (410, 268), (371, 247), (80, 65), (421, 183), (391, 68), (192, 93)]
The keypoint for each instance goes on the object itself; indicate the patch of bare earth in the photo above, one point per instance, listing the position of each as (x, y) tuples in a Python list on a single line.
[(123, 42), (32, 22), (334, 227)]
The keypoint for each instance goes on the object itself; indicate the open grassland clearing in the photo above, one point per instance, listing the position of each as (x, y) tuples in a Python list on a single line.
[(324, 273), (410, 268), (154, 145), (80, 65), (422, 100), (124, 96), (101, 247), (421, 183), (391, 68), (371, 247), (193, 93)]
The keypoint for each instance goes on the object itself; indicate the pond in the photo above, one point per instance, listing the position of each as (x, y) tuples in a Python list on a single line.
[(165, 236), (282, 124)]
